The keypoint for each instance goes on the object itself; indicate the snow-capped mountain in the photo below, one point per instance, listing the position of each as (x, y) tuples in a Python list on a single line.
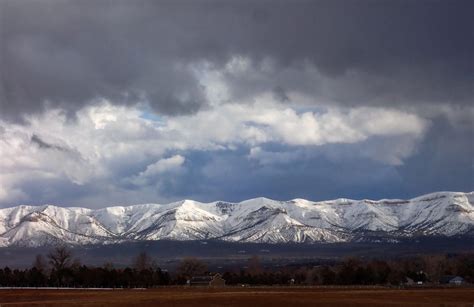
[(254, 220)]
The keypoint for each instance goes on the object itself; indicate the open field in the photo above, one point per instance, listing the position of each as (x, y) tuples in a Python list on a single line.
[(239, 297)]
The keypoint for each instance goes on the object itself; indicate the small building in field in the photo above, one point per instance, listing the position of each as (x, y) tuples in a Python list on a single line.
[(217, 281), (452, 280), (209, 280)]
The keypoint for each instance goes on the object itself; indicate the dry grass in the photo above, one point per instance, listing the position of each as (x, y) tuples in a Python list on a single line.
[(246, 297)]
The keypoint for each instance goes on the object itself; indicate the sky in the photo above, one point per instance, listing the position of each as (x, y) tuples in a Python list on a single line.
[(125, 102)]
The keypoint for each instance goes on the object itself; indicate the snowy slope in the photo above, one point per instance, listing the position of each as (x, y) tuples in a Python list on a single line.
[(254, 220)]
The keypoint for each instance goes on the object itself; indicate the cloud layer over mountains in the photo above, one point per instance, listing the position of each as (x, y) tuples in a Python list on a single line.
[(123, 102)]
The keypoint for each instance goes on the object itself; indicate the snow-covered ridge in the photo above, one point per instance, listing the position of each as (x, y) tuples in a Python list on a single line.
[(254, 220)]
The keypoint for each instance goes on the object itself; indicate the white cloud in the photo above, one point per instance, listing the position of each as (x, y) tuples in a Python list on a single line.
[(267, 157), (162, 166), (264, 122), (105, 136)]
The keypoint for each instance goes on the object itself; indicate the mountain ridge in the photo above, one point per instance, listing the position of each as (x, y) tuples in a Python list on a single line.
[(260, 220)]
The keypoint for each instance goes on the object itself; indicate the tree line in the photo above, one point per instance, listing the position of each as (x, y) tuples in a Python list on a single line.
[(59, 269), (356, 271)]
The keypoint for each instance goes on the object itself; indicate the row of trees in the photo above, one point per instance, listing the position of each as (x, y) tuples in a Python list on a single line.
[(60, 269), (354, 271)]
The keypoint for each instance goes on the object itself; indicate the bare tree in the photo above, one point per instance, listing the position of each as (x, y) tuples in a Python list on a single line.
[(190, 267), (254, 267), (60, 258), (40, 263), (434, 266), (142, 261)]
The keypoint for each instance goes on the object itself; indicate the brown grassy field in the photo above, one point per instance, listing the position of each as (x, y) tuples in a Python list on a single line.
[(246, 297)]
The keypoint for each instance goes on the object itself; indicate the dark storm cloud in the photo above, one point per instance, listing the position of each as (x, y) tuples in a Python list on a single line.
[(444, 161), (69, 52)]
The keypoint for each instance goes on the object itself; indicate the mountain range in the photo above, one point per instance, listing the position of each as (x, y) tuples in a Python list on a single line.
[(259, 220)]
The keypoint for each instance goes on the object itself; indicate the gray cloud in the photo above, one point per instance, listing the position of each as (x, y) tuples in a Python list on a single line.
[(66, 53), (45, 145)]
